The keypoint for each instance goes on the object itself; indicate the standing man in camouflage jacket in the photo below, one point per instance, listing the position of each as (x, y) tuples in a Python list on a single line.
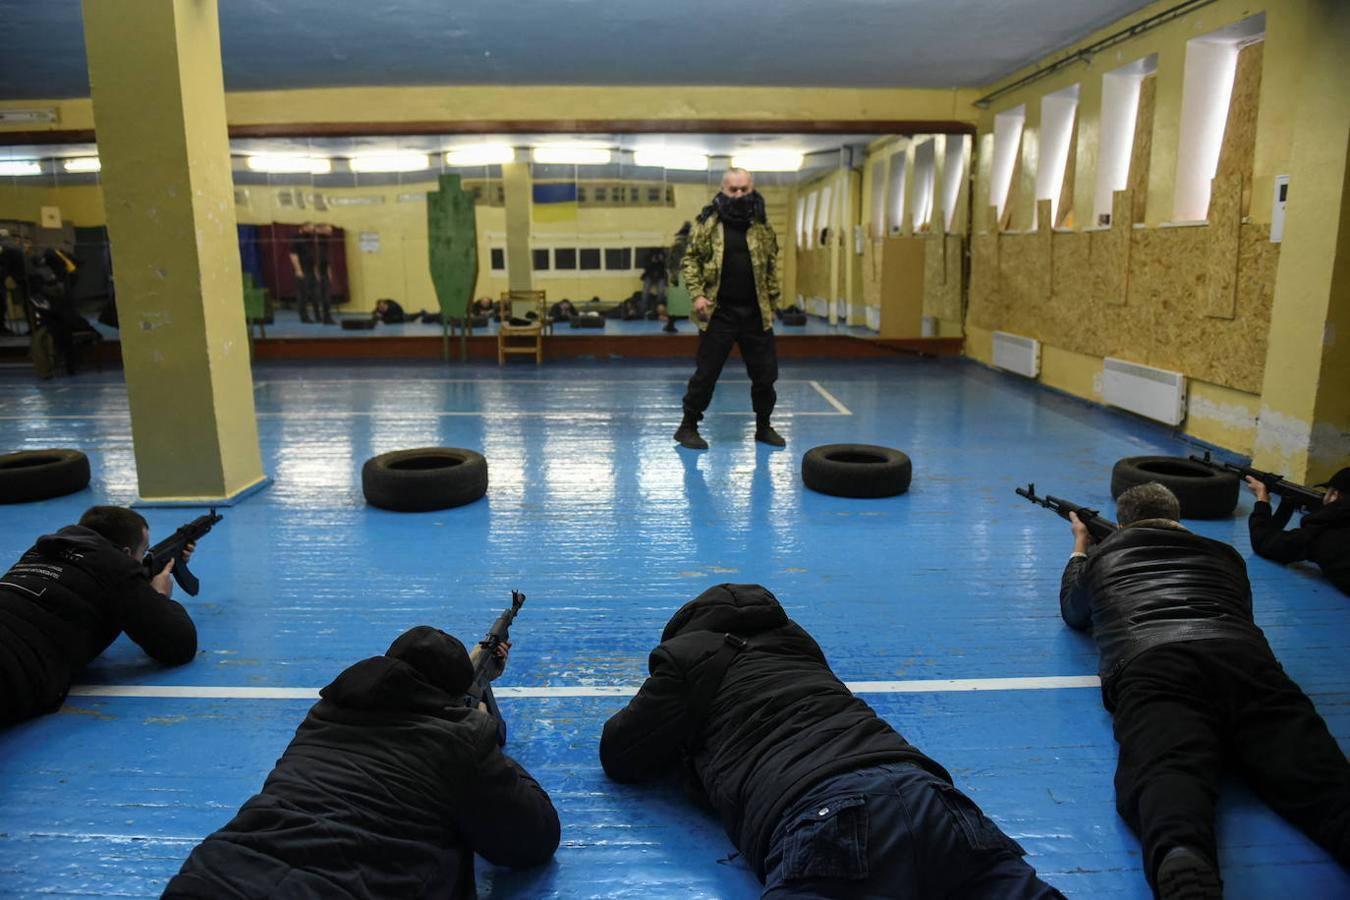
[(731, 269)]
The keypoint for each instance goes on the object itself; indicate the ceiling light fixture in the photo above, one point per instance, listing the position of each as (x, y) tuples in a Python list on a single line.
[(398, 161), (572, 155), (768, 160), (661, 158), (289, 164), (481, 155), (20, 167), (78, 164)]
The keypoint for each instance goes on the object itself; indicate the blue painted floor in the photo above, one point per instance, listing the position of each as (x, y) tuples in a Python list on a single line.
[(287, 324), (608, 529)]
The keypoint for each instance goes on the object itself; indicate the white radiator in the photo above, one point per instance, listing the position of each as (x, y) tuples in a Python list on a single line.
[(818, 306), (1014, 353), (873, 317), (928, 326), (841, 309), (1155, 393)]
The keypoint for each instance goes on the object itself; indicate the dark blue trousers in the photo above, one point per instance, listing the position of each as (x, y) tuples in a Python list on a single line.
[(894, 831)]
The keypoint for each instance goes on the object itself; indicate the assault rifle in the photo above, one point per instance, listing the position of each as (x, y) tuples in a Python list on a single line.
[(171, 548), (486, 664), (1098, 527), (1297, 494)]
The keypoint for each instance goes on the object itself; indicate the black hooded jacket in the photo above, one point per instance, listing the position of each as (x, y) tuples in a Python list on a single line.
[(388, 788), (778, 723), (63, 603), (1153, 583), (1323, 537)]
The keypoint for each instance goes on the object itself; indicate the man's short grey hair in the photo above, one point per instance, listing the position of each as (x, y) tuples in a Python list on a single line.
[(737, 170), (1147, 501)]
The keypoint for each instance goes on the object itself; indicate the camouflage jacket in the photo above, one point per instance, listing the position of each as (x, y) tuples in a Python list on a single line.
[(701, 268)]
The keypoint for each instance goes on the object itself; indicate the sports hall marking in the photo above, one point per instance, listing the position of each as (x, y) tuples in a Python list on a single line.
[(917, 686), (831, 399)]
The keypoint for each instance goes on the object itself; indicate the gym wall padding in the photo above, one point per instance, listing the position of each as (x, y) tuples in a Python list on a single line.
[(452, 240)]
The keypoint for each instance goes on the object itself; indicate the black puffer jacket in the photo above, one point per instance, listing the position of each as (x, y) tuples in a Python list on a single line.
[(1323, 537), (63, 603), (779, 722), (1154, 583), (387, 790)]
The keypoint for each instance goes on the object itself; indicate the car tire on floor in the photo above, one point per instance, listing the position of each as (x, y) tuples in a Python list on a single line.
[(856, 470), (42, 474), (1204, 493), (424, 479)]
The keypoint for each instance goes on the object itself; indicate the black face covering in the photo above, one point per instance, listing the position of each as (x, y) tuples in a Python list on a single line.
[(744, 209)]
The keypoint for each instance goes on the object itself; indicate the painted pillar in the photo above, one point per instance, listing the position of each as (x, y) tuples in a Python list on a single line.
[(1304, 428), (159, 108), (519, 260)]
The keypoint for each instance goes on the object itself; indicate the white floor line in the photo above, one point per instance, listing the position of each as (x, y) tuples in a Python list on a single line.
[(831, 399), (916, 686)]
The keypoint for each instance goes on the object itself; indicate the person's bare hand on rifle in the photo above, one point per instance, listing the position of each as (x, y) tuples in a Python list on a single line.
[(163, 582), (1081, 537)]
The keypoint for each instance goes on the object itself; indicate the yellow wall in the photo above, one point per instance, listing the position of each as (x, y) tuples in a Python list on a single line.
[(486, 104), (81, 205), (1055, 288)]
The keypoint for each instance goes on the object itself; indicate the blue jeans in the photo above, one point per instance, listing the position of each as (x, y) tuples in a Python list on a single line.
[(894, 831)]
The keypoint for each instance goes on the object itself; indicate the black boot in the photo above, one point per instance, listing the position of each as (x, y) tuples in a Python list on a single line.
[(765, 434), (1186, 875), (687, 435)]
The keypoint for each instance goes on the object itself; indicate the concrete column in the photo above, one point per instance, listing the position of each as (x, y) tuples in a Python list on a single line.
[(1304, 427), (519, 261), (159, 110)]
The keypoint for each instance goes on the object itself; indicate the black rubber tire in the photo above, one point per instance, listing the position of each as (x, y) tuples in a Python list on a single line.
[(856, 470), (794, 318), (42, 474), (588, 321), (357, 324), (1202, 492), (424, 479)]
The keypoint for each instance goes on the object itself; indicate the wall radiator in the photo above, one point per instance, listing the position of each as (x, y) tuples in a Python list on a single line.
[(1018, 354), (1154, 393), (873, 317), (818, 306)]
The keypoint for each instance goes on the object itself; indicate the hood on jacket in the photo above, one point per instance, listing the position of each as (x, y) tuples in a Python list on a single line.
[(74, 541), (423, 669), (741, 609), (1334, 515)]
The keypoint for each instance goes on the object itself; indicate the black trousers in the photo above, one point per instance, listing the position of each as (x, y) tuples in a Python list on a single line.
[(313, 290), (1184, 712), (730, 326)]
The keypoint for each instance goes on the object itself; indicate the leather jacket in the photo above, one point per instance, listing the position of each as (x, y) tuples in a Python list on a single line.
[(1153, 583)]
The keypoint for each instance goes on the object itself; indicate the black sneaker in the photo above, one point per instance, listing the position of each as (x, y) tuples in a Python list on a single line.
[(766, 435), (1186, 875), (687, 436)]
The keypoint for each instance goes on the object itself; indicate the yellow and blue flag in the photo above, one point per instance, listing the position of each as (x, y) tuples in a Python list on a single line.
[(555, 201)]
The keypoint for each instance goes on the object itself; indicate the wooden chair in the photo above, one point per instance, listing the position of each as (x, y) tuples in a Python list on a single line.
[(516, 304)]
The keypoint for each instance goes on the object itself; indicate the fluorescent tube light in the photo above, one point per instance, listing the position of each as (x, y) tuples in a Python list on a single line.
[(768, 160), (572, 155), (399, 161), (671, 159), (289, 164), (20, 167), (82, 164), (481, 155)]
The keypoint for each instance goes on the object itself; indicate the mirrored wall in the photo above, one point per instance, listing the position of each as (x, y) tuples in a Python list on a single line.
[(330, 227)]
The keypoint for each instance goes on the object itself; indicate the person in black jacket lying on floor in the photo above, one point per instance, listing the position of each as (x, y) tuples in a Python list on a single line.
[(1191, 685), (821, 795), (388, 789), (70, 596), (1323, 536)]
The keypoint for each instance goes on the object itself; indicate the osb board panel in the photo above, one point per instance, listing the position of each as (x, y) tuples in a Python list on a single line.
[(1221, 259), (1110, 253), (1142, 149), (902, 287), (942, 277), (1045, 234), (1239, 134), (1163, 321), (871, 273), (985, 309)]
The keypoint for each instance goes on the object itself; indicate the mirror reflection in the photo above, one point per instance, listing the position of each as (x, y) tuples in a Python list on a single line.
[(416, 235)]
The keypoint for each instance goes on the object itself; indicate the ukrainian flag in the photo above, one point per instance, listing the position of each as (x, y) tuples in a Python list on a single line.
[(555, 202)]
